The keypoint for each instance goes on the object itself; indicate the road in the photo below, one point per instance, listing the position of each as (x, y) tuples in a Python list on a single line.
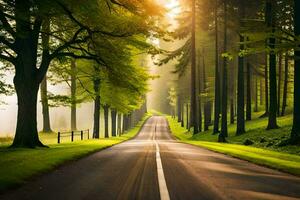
[(155, 166)]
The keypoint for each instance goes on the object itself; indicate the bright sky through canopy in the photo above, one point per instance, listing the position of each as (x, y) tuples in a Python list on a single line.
[(173, 7)]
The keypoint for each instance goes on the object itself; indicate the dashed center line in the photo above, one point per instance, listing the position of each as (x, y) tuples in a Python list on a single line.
[(163, 189)]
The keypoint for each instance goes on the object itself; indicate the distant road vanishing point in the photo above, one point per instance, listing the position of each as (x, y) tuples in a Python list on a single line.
[(154, 165)]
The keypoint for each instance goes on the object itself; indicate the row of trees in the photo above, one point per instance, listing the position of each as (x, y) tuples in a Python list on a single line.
[(237, 54), (90, 45)]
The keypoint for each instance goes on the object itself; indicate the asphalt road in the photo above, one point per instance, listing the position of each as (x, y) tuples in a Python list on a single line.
[(132, 170)]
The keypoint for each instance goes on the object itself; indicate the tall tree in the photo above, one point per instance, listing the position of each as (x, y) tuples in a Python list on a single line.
[(217, 106), (270, 20), (240, 81), (43, 86), (194, 117), (295, 134), (224, 129)]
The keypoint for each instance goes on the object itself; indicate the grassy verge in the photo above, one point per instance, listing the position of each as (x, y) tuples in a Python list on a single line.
[(18, 165), (262, 154)]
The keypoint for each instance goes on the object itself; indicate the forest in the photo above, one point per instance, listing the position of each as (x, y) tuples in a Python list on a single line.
[(241, 60), (149, 99)]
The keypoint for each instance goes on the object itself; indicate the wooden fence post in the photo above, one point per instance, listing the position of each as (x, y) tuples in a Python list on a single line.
[(81, 135), (58, 137), (72, 136)]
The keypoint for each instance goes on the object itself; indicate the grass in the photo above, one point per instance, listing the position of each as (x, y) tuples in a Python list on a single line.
[(19, 165), (266, 153)]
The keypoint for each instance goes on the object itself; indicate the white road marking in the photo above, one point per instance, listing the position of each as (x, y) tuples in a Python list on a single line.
[(163, 189)]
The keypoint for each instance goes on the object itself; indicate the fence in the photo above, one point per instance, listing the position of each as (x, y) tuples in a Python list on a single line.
[(73, 134)]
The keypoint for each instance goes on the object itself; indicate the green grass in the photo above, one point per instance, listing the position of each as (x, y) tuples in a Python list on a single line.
[(286, 159), (18, 165)]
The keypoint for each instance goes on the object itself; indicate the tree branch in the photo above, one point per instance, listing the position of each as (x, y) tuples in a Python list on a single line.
[(12, 46), (8, 58), (5, 23)]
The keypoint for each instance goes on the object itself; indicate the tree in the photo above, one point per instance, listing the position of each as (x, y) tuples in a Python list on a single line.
[(194, 116), (43, 86), (270, 20), (217, 107), (22, 22), (73, 25), (224, 131), (295, 133), (241, 83)]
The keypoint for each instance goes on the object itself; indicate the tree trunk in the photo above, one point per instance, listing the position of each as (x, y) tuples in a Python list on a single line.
[(295, 134), (187, 117), (106, 112), (285, 86), (261, 95), (179, 108), (256, 94), (279, 84), (96, 130), (240, 124), (194, 117), (125, 122), (248, 101), (113, 123), (272, 123), (45, 106), (232, 94), (26, 130), (231, 111), (73, 95), (119, 124), (207, 117), (97, 109), (217, 104), (266, 89), (44, 89), (200, 91), (224, 131), (182, 114)]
